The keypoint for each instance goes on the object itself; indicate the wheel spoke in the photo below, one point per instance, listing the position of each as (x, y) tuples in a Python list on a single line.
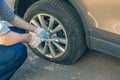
[(42, 21), (58, 28), (45, 49), (59, 47), (39, 49), (51, 22), (52, 49), (34, 22)]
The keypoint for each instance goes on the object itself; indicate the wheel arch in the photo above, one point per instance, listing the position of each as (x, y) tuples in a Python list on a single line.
[(81, 13), (21, 6)]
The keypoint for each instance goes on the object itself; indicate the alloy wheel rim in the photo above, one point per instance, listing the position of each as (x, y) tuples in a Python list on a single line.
[(57, 47)]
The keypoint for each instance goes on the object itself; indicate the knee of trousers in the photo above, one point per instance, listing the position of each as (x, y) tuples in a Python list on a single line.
[(16, 57), (20, 53), (17, 54)]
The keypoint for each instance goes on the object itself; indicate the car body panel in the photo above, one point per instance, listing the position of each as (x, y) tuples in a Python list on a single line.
[(104, 14), (104, 35), (100, 37)]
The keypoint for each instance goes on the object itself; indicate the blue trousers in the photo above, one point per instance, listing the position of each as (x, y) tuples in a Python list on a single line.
[(12, 57)]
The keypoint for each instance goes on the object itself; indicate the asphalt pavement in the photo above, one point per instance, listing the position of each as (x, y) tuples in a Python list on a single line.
[(92, 66)]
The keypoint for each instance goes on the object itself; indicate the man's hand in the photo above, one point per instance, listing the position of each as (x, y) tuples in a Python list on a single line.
[(35, 40), (43, 34), (38, 36), (13, 38)]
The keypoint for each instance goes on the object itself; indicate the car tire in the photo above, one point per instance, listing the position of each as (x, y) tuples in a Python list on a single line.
[(63, 12)]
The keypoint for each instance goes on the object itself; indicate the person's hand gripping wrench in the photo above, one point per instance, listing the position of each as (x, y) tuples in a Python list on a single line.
[(44, 35), (38, 36)]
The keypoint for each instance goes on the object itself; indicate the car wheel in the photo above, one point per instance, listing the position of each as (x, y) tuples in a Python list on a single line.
[(64, 25)]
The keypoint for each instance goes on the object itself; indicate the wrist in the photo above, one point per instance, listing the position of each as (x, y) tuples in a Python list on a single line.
[(35, 40), (34, 28), (27, 38)]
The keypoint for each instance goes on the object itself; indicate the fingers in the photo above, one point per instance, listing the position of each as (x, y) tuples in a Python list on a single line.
[(35, 41), (40, 35)]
